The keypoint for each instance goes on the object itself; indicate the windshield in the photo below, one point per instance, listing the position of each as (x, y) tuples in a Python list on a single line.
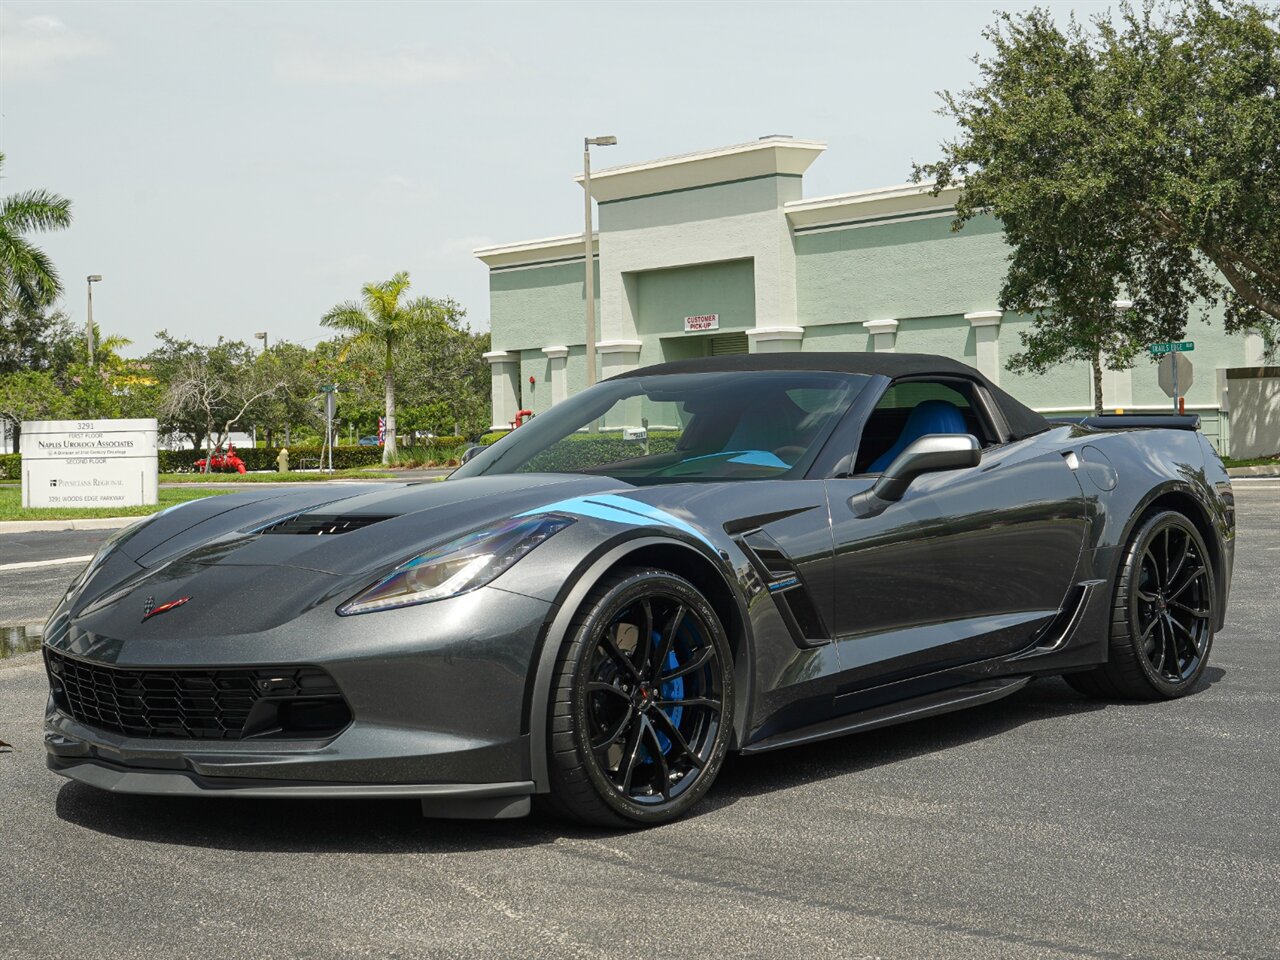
[(740, 425)]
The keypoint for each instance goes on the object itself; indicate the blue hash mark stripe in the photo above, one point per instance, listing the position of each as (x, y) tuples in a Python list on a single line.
[(615, 509)]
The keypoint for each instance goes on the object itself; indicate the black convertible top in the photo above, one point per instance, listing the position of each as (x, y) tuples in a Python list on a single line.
[(1022, 420)]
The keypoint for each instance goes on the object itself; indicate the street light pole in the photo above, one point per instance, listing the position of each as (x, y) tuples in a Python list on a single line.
[(262, 335), (88, 326), (587, 144)]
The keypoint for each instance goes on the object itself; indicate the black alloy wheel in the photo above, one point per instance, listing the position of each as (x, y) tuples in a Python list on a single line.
[(646, 686), (1173, 603), (1163, 616)]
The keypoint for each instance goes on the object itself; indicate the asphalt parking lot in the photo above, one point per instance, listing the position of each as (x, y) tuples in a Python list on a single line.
[(1044, 825)]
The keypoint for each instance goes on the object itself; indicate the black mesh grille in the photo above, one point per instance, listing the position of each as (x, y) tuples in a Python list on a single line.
[(286, 702), (310, 525)]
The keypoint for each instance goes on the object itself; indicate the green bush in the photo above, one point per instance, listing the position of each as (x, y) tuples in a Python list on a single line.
[(493, 437), (436, 452), (261, 458), (264, 458), (581, 450)]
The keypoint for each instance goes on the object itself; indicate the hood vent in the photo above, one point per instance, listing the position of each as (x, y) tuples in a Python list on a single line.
[(313, 525)]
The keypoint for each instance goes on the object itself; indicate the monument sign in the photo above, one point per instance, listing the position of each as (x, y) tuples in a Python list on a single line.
[(89, 463)]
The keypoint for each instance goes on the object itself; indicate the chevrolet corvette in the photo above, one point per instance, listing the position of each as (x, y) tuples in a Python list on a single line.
[(704, 556)]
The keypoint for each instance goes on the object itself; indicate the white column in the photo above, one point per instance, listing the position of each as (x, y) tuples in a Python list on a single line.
[(775, 339), (504, 369), (618, 356), (1117, 389), (1254, 349), (557, 357), (884, 334), (986, 333)]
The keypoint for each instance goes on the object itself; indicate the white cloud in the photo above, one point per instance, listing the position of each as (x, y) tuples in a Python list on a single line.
[(32, 48), (406, 67)]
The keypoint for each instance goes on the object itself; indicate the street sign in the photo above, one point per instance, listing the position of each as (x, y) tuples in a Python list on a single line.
[(1175, 374), (1175, 347), (329, 388)]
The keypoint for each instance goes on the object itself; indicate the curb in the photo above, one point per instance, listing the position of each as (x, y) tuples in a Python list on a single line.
[(1262, 470), (38, 526)]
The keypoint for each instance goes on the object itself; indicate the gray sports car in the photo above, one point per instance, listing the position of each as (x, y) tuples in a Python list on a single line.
[(737, 553)]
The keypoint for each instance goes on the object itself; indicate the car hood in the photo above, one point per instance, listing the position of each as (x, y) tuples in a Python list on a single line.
[(267, 560), (361, 529)]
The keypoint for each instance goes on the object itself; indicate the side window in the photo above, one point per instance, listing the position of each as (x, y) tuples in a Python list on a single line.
[(913, 408)]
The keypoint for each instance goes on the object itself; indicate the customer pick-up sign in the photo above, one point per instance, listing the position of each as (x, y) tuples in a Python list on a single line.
[(708, 321)]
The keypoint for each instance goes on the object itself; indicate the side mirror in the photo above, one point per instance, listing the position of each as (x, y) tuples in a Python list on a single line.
[(471, 452), (928, 454)]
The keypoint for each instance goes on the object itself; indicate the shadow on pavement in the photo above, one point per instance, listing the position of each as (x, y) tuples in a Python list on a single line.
[(397, 826)]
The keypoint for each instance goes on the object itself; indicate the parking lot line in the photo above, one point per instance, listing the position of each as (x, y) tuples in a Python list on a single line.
[(29, 564)]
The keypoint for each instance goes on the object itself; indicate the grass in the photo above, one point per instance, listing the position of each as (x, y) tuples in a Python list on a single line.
[(11, 506), (1255, 462), (295, 476)]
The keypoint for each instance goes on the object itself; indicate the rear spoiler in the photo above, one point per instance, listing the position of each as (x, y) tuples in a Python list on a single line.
[(1134, 421)]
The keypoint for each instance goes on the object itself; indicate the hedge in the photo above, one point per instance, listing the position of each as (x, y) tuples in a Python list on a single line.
[(493, 437), (10, 466), (264, 458), (580, 450)]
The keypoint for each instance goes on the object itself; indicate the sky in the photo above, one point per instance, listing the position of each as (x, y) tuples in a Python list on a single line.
[(237, 167)]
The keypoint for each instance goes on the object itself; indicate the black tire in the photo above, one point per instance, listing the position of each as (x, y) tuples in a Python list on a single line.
[(1162, 617), (622, 754)]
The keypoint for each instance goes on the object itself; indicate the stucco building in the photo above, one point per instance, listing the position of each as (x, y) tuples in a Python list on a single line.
[(720, 252)]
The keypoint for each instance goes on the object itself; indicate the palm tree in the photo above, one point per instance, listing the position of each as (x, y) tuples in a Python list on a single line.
[(28, 279), (381, 321)]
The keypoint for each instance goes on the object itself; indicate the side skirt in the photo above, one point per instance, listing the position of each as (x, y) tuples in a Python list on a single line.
[(929, 705)]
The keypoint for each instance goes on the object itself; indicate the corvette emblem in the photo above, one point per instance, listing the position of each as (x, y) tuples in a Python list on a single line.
[(149, 608)]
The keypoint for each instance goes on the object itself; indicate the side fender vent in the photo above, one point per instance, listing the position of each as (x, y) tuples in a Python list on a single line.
[(313, 525), (787, 588)]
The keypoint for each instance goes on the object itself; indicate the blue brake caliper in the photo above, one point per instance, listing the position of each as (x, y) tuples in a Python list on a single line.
[(671, 690)]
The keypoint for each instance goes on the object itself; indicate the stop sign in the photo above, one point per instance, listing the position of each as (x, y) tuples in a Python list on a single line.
[(1185, 373)]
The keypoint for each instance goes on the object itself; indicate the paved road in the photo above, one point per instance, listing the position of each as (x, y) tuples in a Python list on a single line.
[(27, 594), (1042, 826)]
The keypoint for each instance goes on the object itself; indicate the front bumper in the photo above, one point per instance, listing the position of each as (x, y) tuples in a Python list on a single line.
[(466, 800), (437, 704)]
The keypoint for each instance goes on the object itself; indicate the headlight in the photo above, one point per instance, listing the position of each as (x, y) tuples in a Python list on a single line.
[(464, 564)]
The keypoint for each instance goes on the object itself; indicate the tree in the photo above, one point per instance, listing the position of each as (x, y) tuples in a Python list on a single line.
[(1135, 160), (28, 280), (208, 390), (30, 395), (445, 381), (294, 403), (36, 340), (382, 321)]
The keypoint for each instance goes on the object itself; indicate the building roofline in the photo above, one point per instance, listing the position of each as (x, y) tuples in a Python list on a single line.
[(525, 252), (879, 202), (772, 155)]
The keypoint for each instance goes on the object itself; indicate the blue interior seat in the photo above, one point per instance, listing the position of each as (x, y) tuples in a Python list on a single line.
[(930, 416)]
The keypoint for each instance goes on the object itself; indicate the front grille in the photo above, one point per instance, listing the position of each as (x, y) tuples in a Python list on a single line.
[(216, 704), (312, 525)]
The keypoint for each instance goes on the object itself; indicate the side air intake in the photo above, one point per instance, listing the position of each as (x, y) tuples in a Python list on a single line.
[(313, 525), (787, 587)]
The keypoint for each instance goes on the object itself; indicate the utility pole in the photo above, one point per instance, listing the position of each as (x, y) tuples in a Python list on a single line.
[(587, 144)]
